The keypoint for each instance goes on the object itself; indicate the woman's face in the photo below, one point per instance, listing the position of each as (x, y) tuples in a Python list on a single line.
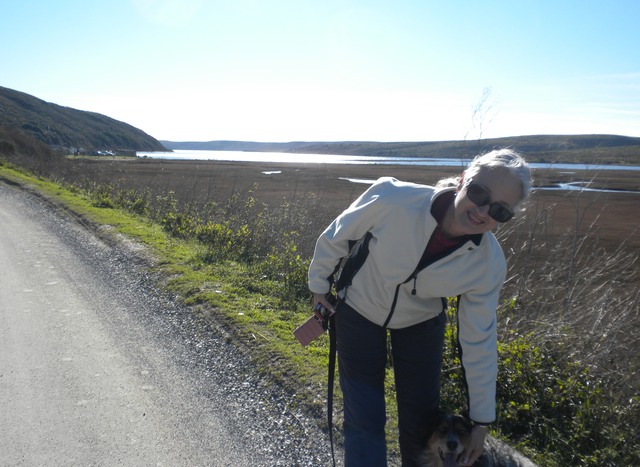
[(498, 186)]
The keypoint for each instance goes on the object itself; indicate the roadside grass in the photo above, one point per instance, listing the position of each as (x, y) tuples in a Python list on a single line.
[(563, 318)]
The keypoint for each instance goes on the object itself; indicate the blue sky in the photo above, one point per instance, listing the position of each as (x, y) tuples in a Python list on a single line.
[(288, 70)]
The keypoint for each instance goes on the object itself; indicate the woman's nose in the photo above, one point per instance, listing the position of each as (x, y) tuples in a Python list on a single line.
[(484, 210)]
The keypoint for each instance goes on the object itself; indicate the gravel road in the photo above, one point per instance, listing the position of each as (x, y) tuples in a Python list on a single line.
[(100, 368)]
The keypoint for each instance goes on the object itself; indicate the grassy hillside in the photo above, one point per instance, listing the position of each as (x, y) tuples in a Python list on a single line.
[(64, 127), (592, 149), (24, 150)]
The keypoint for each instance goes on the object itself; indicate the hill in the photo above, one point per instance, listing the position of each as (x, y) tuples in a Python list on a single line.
[(594, 149), (64, 127)]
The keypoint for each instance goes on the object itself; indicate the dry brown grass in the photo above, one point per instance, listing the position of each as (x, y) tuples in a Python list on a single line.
[(613, 217)]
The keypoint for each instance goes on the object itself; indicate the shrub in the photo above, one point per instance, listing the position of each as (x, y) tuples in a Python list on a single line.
[(287, 267), (7, 147), (218, 239), (101, 196), (549, 404), (137, 202)]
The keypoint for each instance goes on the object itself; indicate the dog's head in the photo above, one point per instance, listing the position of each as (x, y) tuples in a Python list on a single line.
[(450, 436)]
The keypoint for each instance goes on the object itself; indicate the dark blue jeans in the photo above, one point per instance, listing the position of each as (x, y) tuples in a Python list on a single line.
[(362, 358)]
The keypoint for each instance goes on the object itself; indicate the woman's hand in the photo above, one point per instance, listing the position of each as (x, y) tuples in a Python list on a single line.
[(322, 300), (476, 446)]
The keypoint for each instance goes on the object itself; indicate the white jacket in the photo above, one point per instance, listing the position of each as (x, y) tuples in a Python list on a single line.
[(398, 214)]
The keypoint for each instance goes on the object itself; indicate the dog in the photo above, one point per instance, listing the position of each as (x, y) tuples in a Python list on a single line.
[(451, 435)]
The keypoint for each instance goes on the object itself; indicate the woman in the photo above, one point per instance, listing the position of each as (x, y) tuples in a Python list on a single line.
[(426, 243)]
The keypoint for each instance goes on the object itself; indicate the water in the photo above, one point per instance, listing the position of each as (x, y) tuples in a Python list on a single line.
[(248, 156), (580, 186), (285, 157)]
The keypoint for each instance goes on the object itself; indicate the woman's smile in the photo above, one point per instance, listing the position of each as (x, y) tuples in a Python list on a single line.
[(466, 217), (475, 219)]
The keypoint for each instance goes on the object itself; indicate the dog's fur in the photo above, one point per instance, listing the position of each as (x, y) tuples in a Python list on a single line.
[(451, 435)]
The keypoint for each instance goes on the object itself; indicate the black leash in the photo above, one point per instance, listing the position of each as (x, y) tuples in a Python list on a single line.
[(330, 382)]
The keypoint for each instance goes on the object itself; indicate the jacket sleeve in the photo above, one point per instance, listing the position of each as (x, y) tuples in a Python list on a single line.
[(477, 334), (352, 224)]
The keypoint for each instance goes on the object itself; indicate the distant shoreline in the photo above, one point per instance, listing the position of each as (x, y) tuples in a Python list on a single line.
[(307, 158), (587, 149)]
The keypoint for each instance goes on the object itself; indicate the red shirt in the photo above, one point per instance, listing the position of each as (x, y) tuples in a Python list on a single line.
[(439, 243)]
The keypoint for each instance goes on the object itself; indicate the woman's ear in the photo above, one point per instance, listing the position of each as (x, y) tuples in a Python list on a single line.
[(461, 181)]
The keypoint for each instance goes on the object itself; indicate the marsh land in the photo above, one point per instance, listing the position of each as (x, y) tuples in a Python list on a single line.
[(611, 215)]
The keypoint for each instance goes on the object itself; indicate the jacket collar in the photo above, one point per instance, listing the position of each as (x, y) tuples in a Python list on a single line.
[(475, 238)]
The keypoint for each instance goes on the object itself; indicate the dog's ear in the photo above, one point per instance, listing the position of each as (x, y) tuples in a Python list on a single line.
[(464, 416), (464, 421), (435, 420)]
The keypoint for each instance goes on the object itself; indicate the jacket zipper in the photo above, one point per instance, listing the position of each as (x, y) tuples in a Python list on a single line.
[(395, 296), (414, 277), (393, 305)]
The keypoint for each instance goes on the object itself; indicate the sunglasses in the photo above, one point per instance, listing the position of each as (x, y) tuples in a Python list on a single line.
[(481, 197)]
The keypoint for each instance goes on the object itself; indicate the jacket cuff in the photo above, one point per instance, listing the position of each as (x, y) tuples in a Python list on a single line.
[(484, 424)]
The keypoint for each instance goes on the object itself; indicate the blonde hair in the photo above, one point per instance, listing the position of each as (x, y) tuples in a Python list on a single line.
[(498, 158)]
